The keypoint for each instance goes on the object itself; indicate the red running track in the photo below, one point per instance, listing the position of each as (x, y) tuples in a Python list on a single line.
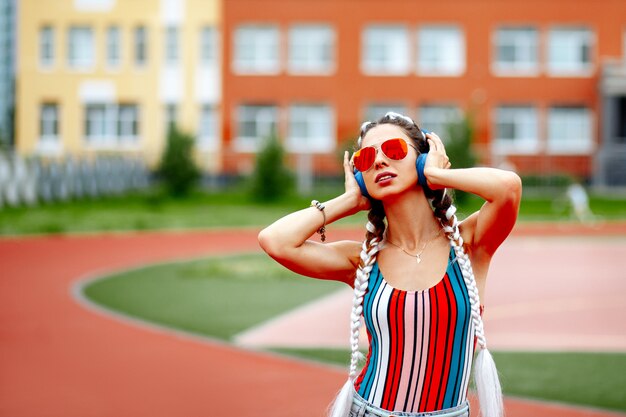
[(58, 358)]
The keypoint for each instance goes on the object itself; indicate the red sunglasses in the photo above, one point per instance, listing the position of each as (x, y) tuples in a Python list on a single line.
[(395, 149)]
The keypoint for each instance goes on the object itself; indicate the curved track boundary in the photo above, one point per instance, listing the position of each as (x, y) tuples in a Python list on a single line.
[(59, 358)]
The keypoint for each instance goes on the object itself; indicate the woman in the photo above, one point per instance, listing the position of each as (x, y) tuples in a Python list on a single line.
[(422, 328)]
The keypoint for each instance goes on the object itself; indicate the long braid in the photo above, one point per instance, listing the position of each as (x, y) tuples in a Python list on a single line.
[(371, 246), (485, 372)]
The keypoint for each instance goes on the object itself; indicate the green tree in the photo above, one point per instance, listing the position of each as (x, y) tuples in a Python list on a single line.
[(460, 136), (271, 179), (177, 168)]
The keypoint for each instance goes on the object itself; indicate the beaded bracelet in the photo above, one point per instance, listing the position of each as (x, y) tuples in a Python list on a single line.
[(321, 230)]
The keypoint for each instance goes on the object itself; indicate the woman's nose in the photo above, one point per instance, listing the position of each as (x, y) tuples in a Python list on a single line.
[(381, 158)]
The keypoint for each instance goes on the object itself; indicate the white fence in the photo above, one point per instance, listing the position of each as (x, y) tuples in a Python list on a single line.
[(31, 181)]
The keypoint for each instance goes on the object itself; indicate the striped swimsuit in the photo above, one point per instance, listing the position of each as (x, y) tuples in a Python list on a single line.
[(421, 344)]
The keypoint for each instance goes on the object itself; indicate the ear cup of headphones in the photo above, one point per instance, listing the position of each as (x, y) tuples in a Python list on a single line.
[(358, 175), (419, 166)]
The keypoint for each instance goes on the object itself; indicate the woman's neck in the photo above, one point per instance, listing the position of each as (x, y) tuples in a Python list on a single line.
[(410, 220)]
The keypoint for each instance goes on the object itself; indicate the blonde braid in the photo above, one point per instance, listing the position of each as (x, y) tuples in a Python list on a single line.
[(485, 372)]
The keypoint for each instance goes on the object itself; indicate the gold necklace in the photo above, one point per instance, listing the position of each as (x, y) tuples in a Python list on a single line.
[(418, 257)]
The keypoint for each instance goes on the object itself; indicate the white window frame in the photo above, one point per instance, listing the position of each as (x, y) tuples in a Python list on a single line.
[(570, 130), (113, 46), (265, 118), (316, 133), (171, 44), (435, 117), (385, 50), (571, 41), (80, 48), (257, 50), (112, 126), (49, 140), (441, 51), (208, 128), (127, 123), (209, 46), (525, 121), (525, 42), (311, 49), (374, 111), (46, 46), (100, 124), (140, 46), (171, 115)]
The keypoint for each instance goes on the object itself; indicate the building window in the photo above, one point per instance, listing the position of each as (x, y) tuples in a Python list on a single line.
[(141, 46), (208, 129), (113, 46), (255, 124), (375, 111), (46, 46), (385, 50), (311, 128), (99, 123), (516, 130), (49, 125), (436, 118), (516, 51), (111, 125), (257, 50), (569, 51), (171, 45), (311, 49), (81, 47), (208, 46), (127, 122), (570, 130), (440, 51), (171, 116)]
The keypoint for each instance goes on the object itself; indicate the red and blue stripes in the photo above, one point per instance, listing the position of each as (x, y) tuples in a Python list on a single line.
[(421, 344)]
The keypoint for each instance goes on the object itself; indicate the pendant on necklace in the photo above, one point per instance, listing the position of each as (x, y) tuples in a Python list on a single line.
[(418, 258)]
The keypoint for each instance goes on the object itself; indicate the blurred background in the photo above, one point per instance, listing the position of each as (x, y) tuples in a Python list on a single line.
[(135, 115), (93, 87)]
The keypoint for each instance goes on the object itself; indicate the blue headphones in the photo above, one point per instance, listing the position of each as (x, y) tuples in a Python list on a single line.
[(419, 166)]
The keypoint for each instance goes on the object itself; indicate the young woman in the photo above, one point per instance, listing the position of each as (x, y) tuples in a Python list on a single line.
[(418, 276)]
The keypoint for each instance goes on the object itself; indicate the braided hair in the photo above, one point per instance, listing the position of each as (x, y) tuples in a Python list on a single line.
[(485, 373)]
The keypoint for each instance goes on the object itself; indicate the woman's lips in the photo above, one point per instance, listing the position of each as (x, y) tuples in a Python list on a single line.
[(384, 177)]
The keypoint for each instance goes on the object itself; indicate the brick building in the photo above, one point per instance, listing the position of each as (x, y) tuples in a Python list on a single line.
[(544, 81)]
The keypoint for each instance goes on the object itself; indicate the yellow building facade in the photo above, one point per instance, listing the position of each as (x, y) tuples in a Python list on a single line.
[(111, 76)]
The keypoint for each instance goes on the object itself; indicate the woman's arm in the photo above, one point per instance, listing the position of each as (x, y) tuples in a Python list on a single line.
[(500, 189), (286, 240)]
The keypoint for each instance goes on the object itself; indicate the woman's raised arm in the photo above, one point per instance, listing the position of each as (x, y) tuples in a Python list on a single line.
[(500, 189), (287, 239)]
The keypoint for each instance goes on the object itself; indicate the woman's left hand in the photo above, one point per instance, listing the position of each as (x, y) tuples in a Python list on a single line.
[(437, 158)]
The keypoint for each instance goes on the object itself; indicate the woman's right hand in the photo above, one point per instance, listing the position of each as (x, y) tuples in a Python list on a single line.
[(352, 187)]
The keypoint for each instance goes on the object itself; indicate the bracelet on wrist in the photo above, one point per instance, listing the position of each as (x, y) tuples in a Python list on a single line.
[(322, 230)]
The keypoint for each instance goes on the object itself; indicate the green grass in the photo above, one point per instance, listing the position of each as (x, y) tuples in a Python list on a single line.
[(154, 211), (595, 379), (212, 297), (149, 211), (220, 297), (586, 379)]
